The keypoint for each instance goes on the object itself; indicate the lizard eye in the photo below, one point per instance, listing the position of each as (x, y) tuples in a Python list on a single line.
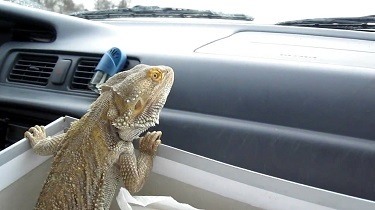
[(155, 74)]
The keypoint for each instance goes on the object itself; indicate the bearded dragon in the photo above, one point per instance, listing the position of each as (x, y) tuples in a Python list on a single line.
[(97, 151)]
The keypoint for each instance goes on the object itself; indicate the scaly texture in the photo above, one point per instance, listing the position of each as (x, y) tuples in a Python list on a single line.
[(97, 151)]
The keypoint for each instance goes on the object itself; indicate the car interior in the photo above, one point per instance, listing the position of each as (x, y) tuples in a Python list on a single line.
[(290, 102)]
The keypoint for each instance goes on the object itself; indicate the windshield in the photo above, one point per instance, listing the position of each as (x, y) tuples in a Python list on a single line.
[(263, 11)]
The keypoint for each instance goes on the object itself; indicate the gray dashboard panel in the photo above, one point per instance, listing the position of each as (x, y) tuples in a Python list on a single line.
[(295, 47)]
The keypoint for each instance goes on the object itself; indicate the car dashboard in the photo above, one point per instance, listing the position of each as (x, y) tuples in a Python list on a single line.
[(290, 102)]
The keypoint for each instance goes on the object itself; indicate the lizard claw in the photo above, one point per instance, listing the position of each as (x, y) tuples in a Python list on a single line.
[(35, 134), (149, 142)]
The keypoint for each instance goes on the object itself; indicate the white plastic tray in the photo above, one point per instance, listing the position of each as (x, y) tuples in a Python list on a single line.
[(189, 178)]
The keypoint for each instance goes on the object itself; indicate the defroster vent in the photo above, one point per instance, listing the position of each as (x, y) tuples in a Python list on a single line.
[(84, 73), (32, 69)]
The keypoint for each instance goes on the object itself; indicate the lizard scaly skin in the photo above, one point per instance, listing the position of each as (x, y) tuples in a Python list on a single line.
[(97, 151)]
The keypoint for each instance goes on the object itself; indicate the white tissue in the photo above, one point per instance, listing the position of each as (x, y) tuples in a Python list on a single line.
[(128, 202)]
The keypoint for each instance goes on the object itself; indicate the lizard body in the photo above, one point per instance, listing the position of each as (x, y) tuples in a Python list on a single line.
[(97, 151)]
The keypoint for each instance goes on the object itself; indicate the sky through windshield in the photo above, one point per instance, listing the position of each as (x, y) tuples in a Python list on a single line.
[(264, 11), (267, 11)]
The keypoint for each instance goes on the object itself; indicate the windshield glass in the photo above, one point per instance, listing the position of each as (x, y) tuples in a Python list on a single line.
[(263, 11)]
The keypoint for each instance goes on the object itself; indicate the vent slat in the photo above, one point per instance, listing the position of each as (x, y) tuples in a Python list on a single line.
[(79, 83), (33, 69), (28, 71), (86, 72), (83, 74), (47, 70), (85, 78), (27, 66), (92, 62), (86, 66), (36, 76), (23, 81), (37, 62)]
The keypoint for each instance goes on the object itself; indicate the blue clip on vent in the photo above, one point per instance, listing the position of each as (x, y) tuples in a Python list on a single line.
[(111, 62)]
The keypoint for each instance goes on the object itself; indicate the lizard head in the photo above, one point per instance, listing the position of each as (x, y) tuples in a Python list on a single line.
[(138, 95)]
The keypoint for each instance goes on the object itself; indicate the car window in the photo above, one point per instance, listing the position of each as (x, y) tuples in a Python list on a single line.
[(262, 11)]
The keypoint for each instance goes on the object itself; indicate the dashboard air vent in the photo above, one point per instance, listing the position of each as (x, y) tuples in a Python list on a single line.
[(32, 69), (33, 35), (84, 73)]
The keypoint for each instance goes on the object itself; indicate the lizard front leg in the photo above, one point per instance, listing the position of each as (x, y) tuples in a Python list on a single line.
[(135, 172), (41, 144)]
